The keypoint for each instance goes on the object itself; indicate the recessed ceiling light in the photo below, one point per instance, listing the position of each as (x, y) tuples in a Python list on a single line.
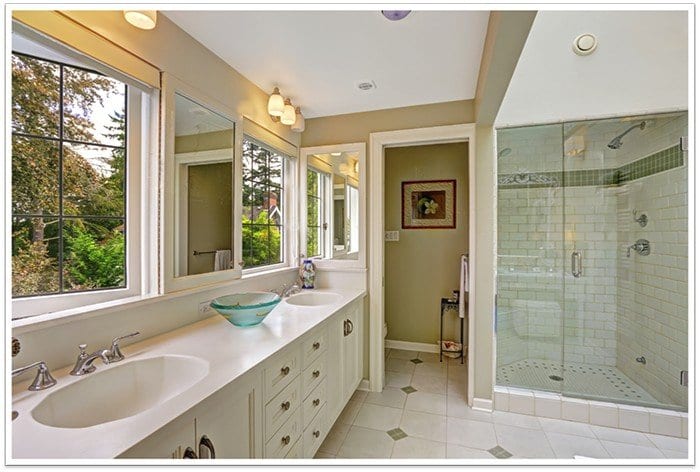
[(585, 44), (366, 85), (336, 154)]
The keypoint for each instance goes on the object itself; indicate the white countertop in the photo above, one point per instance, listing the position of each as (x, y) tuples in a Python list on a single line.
[(229, 350)]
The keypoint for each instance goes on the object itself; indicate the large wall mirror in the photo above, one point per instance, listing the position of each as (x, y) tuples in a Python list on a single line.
[(332, 206), (199, 164), (203, 157)]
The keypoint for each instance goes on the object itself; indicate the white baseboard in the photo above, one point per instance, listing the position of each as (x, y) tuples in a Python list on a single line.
[(483, 404), (409, 346), (364, 385)]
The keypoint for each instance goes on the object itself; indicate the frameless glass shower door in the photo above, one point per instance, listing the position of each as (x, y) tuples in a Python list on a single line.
[(592, 259)]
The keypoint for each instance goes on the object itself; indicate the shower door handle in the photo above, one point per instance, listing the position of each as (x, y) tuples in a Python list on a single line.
[(576, 264)]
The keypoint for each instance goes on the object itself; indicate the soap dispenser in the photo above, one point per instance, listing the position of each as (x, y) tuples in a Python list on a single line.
[(307, 274)]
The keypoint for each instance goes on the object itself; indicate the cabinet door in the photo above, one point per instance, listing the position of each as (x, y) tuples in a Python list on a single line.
[(334, 378), (169, 442), (231, 419), (352, 351)]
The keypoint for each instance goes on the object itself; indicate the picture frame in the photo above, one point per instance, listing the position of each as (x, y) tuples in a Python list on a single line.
[(429, 204)]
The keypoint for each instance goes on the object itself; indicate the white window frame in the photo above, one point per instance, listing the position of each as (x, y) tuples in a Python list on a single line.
[(325, 196), (139, 109), (289, 215)]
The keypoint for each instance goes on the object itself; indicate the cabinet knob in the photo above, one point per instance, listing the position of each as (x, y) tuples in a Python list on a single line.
[(285, 370), (317, 402), (316, 373), (316, 346), (286, 405), (286, 439), (317, 433)]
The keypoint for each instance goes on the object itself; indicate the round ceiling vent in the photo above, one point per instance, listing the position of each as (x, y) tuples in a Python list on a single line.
[(366, 85), (585, 44)]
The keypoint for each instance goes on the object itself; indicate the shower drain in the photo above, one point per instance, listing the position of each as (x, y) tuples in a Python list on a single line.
[(556, 377)]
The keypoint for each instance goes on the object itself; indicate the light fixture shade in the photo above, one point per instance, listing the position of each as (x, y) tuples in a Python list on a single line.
[(300, 123), (275, 105), (288, 115), (144, 19)]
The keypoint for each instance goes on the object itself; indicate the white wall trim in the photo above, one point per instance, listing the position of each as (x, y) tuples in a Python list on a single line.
[(364, 385), (483, 404), (409, 137), (409, 346)]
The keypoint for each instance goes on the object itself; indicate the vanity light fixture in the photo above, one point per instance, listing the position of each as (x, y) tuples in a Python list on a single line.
[(395, 15), (289, 115), (275, 105), (300, 123), (144, 19)]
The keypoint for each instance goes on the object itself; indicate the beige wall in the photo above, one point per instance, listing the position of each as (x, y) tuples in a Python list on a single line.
[(423, 266), (356, 127), (172, 50), (204, 142)]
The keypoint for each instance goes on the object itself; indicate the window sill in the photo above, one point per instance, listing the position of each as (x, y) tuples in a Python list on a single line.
[(267, 271)]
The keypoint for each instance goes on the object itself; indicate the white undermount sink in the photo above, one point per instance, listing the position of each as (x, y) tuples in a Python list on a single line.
[(313, 299), (119, 391)]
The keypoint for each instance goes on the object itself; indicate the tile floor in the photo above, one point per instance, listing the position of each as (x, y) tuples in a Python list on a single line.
[(422, 413)]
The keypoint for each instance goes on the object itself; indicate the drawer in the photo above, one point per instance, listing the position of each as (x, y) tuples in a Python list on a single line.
[(280, 408), (279, 372), (283, 440), (315, 434), (313, 375), (313, 403), (296, 451), (314, 346)]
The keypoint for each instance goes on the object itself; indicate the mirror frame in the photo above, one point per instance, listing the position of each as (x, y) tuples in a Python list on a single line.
[(304, 153), (168, 219)]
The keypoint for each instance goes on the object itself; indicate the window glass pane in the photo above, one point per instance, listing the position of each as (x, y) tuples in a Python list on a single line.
[(35, 96), (312, 183), (35, 265), (312, 239), (34, 176), (276, 174), (93, 180), (274, 205), (93, 108), (255, 165), (276, 236), (255, 242), (94, 255)]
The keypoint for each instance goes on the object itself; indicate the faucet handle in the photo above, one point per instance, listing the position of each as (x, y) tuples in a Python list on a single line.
[(43, 379), (115, 354)]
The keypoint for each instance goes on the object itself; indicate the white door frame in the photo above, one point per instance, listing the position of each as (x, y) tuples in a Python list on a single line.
[(411, 137)]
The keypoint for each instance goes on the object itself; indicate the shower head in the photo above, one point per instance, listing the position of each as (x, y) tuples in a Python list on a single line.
[(504, 152), (616, 142)]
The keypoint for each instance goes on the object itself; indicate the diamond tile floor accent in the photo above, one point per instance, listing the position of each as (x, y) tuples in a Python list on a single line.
[(499, 453), (416, 361), (396, 434), (390, 426)]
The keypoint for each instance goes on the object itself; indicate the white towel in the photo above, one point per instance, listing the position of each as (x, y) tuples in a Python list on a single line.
[(222, 259), (463, 284)]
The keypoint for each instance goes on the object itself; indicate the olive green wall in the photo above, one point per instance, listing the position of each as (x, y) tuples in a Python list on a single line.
[(423, 266)]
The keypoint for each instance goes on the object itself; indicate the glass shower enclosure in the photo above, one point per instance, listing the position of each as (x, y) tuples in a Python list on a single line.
[(593, 259)]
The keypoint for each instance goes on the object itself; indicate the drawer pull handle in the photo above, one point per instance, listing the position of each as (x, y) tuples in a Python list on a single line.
[(286, 405), (317, 433), (286, 439), (316, 346), (316, 373), (285, 370), (317, 402)]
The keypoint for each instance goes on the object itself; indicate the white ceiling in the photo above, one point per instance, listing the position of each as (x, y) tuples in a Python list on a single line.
[(193, 118), (317, 57)]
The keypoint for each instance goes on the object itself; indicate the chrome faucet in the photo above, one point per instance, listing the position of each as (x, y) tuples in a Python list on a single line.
[(43, 379), (83, 365), (287, 290)]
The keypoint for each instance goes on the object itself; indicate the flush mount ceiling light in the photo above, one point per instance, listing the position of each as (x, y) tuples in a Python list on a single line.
[(395, 15), (585, 44), (144, 19)]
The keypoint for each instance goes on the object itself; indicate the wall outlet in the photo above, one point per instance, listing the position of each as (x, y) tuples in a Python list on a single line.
[(391, 235), (204, 307)]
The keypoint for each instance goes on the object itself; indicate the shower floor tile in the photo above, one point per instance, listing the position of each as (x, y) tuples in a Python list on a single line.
[(593, 380)]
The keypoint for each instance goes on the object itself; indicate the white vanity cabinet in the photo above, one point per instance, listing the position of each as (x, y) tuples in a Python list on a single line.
[(283, 408), (229, 419)]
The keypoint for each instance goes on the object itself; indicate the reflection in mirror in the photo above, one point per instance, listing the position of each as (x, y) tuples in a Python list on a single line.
[(332, 204), (203, 189)]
